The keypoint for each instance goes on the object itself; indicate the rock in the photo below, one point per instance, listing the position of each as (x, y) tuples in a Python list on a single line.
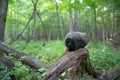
[(76, 40)]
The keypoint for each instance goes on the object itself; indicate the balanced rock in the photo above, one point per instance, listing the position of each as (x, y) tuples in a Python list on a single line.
[(76, 40)]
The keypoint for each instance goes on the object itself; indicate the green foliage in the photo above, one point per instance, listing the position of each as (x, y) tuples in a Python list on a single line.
[(19, 12), (20, 71), (23, 73), (4, 72), (103, 57), (54, 49), (43, 71), (48, 53)]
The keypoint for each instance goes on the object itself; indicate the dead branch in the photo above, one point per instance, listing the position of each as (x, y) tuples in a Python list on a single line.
[(111, 74), (33, 63), (31, 17), (8, 64)]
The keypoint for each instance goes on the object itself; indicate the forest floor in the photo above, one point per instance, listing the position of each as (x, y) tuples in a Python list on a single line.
[(102, 56)]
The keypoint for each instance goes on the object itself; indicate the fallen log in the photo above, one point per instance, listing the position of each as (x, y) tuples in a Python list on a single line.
[(112, 73), (8, 64), (33, 63)]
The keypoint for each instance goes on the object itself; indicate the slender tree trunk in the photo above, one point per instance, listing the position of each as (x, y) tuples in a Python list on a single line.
[(64, 31), (3, 13), (31, 17), (58, 20), (117, 19), (44, 26), (113, 22), (110, 24), (75, 26), (95, 27), (70, 20), (103, 30), (57, 14)]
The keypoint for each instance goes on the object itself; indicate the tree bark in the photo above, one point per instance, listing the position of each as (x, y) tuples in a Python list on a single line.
[(31, 17), (3, 13), (70, 60), (79, 63), (95, 25), (8, 64), (75, 26), (70, 20), (33, 63), (57, 14), (44, 26), (111, 74), (103, 27)]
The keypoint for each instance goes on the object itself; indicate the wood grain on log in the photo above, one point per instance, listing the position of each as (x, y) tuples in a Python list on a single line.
[(70, 60)]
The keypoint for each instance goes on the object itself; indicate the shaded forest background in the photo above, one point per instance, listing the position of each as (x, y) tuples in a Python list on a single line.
[(38, 28), (50, 20)]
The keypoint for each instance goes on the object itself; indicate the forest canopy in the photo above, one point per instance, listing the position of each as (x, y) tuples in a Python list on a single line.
[(52, 19)]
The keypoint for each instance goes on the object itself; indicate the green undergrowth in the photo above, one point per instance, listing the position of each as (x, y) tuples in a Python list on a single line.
[(102, 57), (47, 53)]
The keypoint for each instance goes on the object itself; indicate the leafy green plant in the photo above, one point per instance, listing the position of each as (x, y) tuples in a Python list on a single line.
[(102, 58), (4, 72)]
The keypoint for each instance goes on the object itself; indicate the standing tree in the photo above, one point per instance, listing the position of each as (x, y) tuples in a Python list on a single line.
[(3, 13), (71, 28)]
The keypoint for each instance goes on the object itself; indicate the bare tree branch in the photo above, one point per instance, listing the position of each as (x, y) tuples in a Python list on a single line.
[(31, 17)]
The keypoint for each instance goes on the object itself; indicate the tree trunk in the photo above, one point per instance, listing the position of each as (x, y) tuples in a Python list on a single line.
[(3, 13), (57, 16), (70, 60), (8, 64), (58, 21), (95, 25), (78, 63), (103, 26), (44, 26), (31, 17), (71, 20), (113, 22), (75, 26)]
